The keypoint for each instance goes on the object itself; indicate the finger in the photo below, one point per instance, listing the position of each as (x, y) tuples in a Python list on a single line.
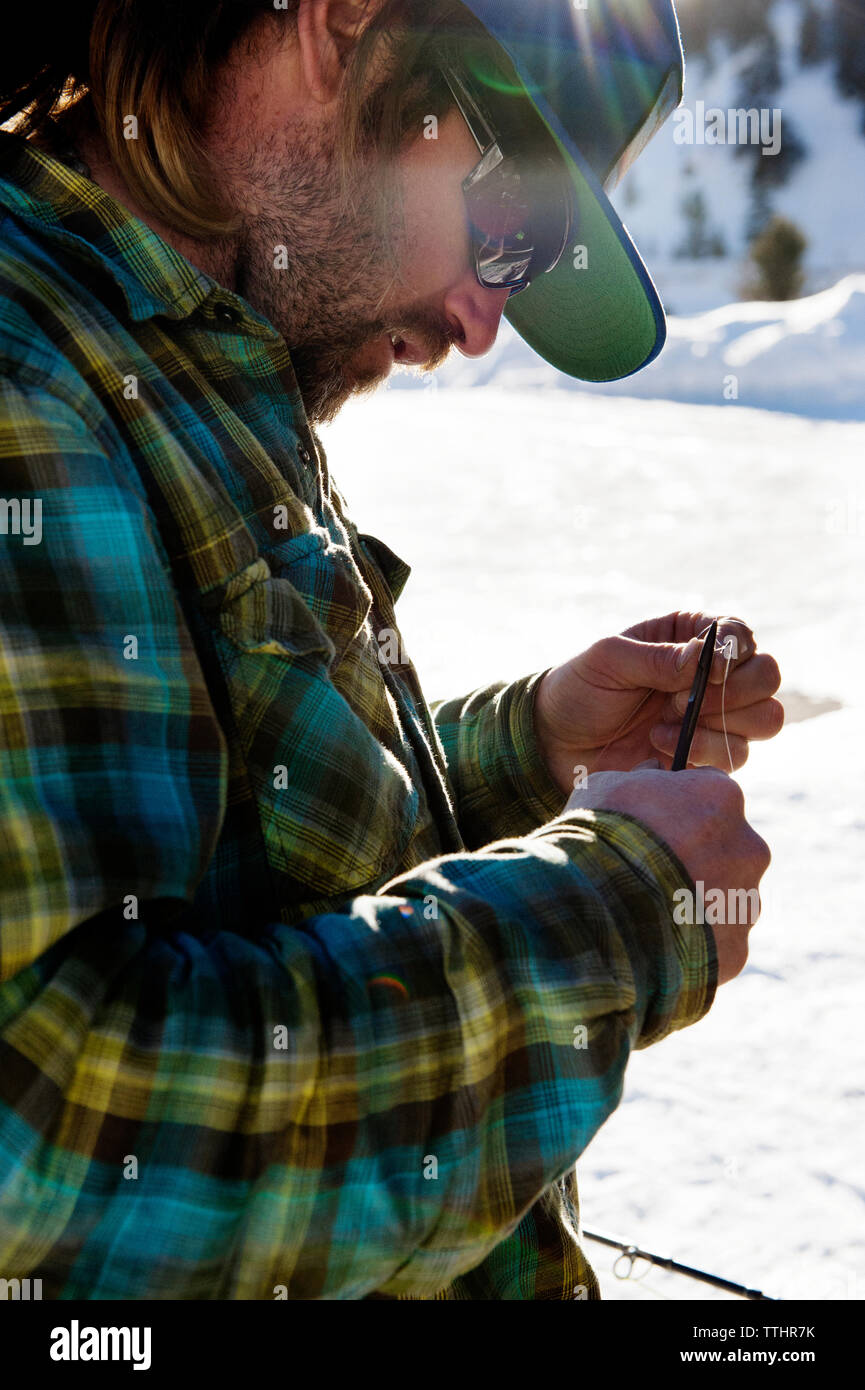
[(758, 722), (680, 627), (734, 645), (734, 639), (625, 663), (709, 749), (754, 681), (756, 678), (629, 661)]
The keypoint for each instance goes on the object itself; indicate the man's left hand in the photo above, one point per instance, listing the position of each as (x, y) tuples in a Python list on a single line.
[(586, 713)]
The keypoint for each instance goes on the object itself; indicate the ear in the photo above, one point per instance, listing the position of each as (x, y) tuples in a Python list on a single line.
[(327, 30)]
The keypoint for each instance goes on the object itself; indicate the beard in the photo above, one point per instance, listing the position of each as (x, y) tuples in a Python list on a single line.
[(341, 243), (331, 370)]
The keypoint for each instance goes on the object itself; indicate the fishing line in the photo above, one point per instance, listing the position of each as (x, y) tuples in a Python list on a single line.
[(728, 650)]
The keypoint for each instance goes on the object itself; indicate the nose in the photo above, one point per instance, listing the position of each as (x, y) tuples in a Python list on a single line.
[(478, 312)]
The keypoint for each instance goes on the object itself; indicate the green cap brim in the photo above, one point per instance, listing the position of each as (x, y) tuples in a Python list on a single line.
[(597, 315)]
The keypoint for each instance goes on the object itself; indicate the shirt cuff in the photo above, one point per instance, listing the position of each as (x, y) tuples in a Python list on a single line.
[(673, 964), (501, 783)]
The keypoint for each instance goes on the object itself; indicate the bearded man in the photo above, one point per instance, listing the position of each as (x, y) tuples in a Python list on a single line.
[(309, 988)]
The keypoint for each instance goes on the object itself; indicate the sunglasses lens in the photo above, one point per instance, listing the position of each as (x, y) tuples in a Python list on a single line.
[(519, 218), (519, 208), (500, 219)]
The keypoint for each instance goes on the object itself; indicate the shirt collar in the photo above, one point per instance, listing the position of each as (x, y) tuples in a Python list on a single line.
[(77, 216)]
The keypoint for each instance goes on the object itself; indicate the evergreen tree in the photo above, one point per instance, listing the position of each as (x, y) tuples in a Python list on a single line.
[(760, 82), (699, 242), (761, 79), (849, 36), (737, 21), (776, 262), (812, 36), (773, 170), (743, 20)]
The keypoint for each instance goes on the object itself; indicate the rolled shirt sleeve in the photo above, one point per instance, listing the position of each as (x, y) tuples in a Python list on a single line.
[(501, 783)]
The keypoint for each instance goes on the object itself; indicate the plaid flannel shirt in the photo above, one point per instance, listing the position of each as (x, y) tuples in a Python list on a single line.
[(293, 966)]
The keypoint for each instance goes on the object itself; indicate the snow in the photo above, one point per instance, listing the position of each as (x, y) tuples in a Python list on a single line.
[(804, 355), (536, 522), (738, 1146)]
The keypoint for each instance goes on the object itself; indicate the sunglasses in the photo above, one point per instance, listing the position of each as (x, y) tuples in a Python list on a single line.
[(519, 204)]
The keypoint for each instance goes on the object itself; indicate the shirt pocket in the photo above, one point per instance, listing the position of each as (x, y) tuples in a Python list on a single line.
[(337, 807), (394, 570), (324, 576)]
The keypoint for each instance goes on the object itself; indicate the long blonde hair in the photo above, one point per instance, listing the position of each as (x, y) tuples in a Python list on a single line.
[(155, 60)]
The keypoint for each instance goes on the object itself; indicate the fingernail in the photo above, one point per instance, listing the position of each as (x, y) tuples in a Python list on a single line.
[(689, 649), (681, 701), (662, 737)]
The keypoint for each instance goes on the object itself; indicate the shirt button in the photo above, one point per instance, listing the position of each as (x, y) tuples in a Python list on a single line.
[(226, 314), (303, 454)]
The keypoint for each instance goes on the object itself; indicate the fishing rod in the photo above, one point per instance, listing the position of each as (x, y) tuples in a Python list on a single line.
[(634, 1253)]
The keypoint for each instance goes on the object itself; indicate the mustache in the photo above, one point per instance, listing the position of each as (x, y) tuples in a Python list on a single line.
[(432, 331), (429, 328), (320, 363)]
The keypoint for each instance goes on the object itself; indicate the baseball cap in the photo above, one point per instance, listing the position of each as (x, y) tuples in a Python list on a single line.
[(603, 77)]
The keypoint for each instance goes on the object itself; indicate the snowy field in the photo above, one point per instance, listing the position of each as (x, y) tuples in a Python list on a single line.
[(538, 521)]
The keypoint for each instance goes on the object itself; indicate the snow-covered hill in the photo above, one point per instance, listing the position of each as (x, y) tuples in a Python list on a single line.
[(805, 356)]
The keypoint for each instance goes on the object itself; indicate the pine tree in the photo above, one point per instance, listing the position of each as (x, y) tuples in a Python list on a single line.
[(773, 170), (761, 79), (812, 36), (760, 82), (699, 242), (849, 32), (742, 20), (776, 262)]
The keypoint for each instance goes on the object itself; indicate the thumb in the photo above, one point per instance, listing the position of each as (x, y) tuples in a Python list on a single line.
[(658, 665)]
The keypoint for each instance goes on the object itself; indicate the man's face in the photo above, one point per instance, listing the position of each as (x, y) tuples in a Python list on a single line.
[(349, 306)]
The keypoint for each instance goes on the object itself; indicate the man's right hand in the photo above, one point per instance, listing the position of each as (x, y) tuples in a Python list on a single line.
[(700, 814)]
